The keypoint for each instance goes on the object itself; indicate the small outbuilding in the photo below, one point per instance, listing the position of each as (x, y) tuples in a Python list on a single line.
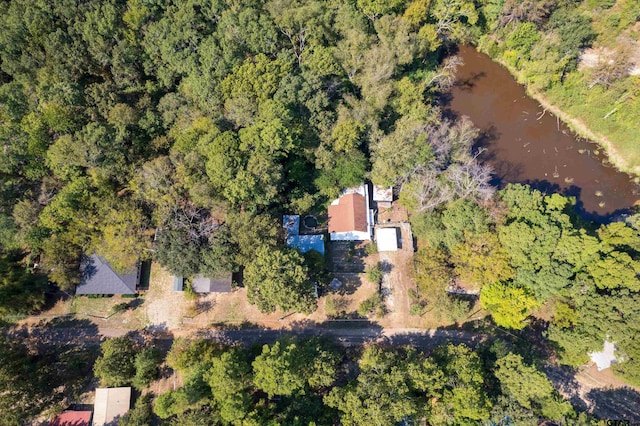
[(383, 196), (335, 284), (72, 418), (178, 283), (387, 239), (110, 405), (604, 358), (202, 284)]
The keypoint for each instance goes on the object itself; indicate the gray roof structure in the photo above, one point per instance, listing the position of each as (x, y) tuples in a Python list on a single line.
[(202, 284), (99, 278), (178, 283)]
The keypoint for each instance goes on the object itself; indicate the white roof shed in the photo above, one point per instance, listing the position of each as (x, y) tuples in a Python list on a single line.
[(110, 405), (606, 357), (387, 239)]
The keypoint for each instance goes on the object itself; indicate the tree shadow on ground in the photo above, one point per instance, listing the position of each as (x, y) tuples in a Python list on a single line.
[(346, 332), (615, 404), (564, 381), (353, 333), (62, 353), (135, 303), (386, 266), (158, 338), (51, 297), (161, 327), (349, 284), (58, 331), (603, 403), (345, 257)]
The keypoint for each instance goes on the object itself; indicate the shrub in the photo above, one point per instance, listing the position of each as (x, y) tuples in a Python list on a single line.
[(335, 306), (452, 309), (146, 364), (416, 309), (374, 304), (115, 366), (189, 293), (120, 307), (371, 249), (374, 273)]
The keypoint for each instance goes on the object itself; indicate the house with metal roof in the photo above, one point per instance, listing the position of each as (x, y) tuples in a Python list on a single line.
[(110, 405), (387, 239), (350, 217), (98, 277)]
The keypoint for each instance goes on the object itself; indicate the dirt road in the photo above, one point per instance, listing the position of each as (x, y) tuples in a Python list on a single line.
[(606, 403), (396, 281), (347, 336)]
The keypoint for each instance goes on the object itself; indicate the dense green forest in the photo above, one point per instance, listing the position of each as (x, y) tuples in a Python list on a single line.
[(306, 382), (311, 382), (199, 122), (533, 259)]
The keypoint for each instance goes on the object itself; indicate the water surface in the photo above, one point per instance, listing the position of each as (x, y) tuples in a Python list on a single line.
[(525, 144)]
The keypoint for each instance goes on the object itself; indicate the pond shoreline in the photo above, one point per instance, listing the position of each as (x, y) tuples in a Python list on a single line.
[(582, 130), (526, 139), (574, 123)]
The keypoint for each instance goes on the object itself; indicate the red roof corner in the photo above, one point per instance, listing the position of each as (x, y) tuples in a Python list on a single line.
[(72, 418)]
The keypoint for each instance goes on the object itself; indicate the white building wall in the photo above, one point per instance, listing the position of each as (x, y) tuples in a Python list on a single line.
[(350, 236)]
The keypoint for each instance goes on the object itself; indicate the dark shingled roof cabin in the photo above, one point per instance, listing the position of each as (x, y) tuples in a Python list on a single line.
[(99, 278)]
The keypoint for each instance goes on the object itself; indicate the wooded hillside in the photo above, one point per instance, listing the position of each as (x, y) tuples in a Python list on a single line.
[(205, 119)]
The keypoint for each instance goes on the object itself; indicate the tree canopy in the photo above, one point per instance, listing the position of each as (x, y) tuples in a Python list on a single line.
[(306, 381)]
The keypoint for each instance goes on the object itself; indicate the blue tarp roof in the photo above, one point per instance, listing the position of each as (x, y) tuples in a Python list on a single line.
[(291, 222), (305, 243)]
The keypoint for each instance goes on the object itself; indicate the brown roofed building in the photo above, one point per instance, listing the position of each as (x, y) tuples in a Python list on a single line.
[(350, 214), (350, 218)]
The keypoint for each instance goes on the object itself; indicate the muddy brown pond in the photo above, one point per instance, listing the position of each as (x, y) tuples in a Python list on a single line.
[(525, 144)]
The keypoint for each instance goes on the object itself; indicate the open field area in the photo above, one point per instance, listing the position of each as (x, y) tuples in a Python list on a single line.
[(161, 309)]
